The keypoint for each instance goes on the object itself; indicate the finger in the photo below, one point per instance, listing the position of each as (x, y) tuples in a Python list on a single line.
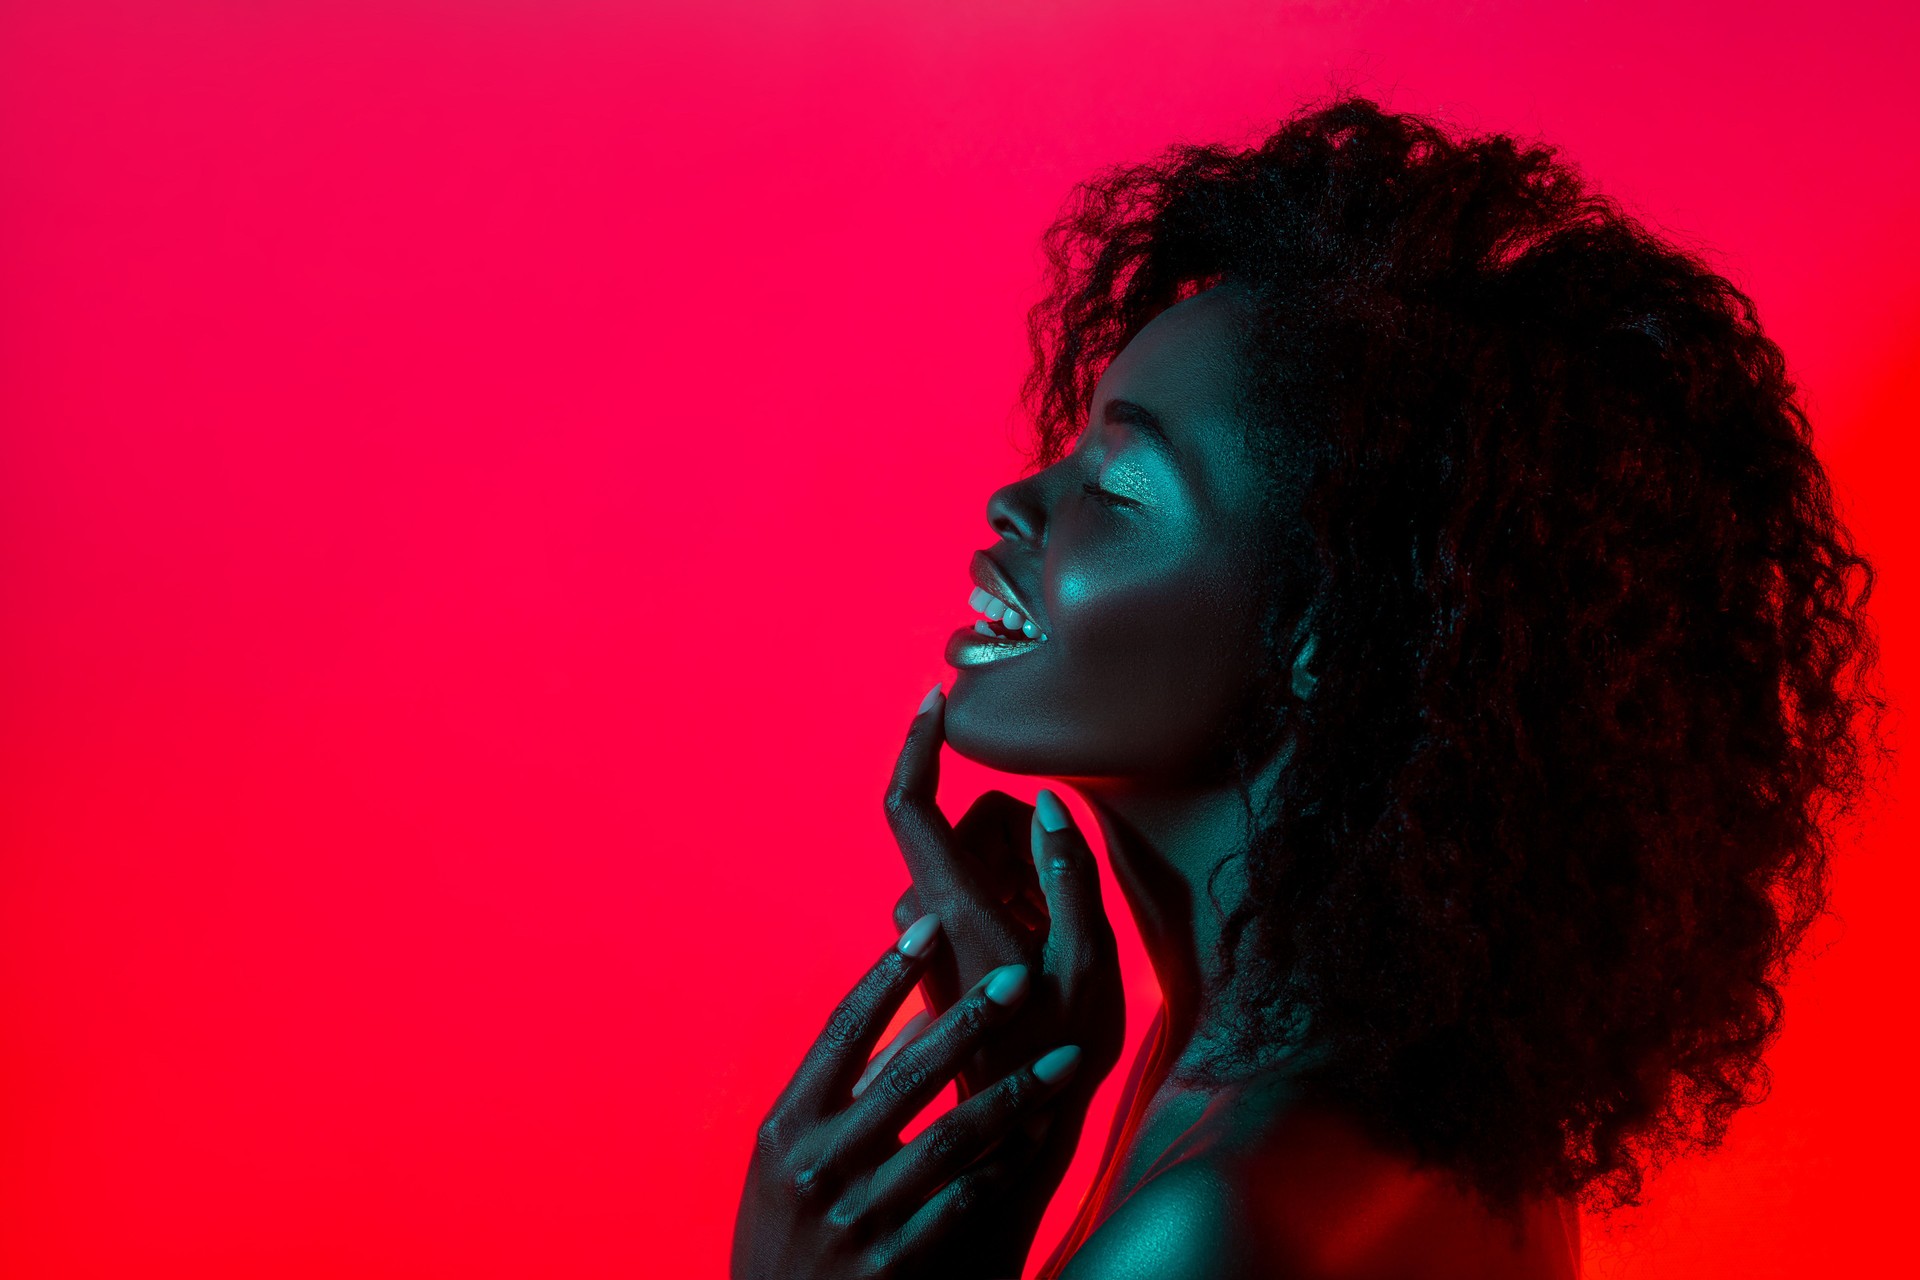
[(913, 810), (903, 1088), (841, 1048), (916, 1248), (947, 1146), (1029, 906), (990, 839), (1070, 879), (901, 1039), (907, 909), (992, 836), (940, 984)]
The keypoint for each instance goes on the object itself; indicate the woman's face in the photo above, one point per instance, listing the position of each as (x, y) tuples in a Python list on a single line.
[(1138, 555)]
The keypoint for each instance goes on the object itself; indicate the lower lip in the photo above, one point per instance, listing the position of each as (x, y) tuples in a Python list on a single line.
[(968, 648)]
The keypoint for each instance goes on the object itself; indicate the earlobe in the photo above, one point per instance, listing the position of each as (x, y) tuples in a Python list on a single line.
[(1304, 681)]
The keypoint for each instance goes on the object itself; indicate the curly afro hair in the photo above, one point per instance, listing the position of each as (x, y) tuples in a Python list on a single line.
[(1594, 676)]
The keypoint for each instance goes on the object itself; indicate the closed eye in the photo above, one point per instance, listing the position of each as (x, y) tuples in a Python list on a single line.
[(1106, 497)]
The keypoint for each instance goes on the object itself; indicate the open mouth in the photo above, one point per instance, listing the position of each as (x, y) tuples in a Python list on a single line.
[(1001, 621), (1000, 628)]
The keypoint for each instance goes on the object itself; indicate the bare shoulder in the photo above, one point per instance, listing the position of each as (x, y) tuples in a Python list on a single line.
[(1188, 1221), (1197, 1212), (1294, 1194)]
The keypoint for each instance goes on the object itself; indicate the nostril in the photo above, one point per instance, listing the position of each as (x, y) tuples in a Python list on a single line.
[(1015, 511)]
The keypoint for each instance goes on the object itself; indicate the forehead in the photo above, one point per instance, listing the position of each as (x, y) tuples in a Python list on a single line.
[(1184, 366)]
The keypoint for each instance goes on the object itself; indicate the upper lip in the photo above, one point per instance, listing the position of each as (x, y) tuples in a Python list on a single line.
[(989, 577)]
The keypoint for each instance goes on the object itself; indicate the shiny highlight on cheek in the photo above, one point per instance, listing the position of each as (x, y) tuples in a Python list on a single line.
[(1136, 541), (397, 544), (1073, 592)]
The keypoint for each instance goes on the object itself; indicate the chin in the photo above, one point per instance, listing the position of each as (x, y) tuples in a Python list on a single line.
[(1006, 728), (1026, 727), (998, 733)]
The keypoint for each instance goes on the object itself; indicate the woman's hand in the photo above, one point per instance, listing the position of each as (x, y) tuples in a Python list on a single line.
[(832, 1193), (1012, 884)]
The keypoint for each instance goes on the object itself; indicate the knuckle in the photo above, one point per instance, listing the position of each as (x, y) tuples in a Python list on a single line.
[(843, 1028), (944, 1139), (1014, 1092), (971, 1018), (808, 1183), (843, 1216), (770, 1138), (904, 1079)]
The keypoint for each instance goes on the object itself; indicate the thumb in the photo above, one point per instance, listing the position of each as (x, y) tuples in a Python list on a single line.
[(1079, 933)]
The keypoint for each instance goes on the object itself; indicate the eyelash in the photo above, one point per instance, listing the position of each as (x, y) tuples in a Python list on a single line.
[(1105, 497)]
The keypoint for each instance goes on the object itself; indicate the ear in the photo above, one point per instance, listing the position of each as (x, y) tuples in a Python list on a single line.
[(1304, 680)]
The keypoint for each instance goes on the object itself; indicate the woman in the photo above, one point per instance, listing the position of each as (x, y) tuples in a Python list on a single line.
[(1430, 585)]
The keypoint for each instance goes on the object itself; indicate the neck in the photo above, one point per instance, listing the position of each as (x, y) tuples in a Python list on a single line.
[(1165, 843)]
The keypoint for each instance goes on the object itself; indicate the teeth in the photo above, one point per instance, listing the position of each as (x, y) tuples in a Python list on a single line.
[(982, 601)]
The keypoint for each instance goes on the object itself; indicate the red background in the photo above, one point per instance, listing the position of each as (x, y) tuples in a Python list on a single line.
[(482, 488)]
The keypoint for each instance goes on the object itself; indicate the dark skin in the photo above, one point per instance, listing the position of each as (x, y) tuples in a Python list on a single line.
[(1132, 556), (964, 1198), (832, 1192)]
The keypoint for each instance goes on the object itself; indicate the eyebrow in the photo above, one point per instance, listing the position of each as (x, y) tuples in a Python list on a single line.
[(1125, 413)]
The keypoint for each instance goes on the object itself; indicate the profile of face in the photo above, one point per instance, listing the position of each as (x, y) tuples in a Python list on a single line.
[(1136, 557)]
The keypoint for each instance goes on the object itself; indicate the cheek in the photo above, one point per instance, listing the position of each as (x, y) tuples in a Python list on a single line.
[(1153, 650), (1160, 640), (1125, 596)]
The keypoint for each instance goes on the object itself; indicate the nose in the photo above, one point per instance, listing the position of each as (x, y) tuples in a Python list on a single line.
[(1018, 511)]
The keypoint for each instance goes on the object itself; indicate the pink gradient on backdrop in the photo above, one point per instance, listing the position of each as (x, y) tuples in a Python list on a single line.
[(482, 488)]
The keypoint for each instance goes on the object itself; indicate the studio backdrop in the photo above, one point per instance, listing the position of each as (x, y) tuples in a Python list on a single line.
[(483, 488)]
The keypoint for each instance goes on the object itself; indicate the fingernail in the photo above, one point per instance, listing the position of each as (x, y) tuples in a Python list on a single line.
[(1053, 814), (1058, 1065), (927, 703), (1008, 984), (918, 939)]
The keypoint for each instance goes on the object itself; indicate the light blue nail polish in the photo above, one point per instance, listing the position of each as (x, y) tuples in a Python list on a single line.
[(927, 703), (1058, 1065), (918, 939), (1008, 984), (1053, 814)]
